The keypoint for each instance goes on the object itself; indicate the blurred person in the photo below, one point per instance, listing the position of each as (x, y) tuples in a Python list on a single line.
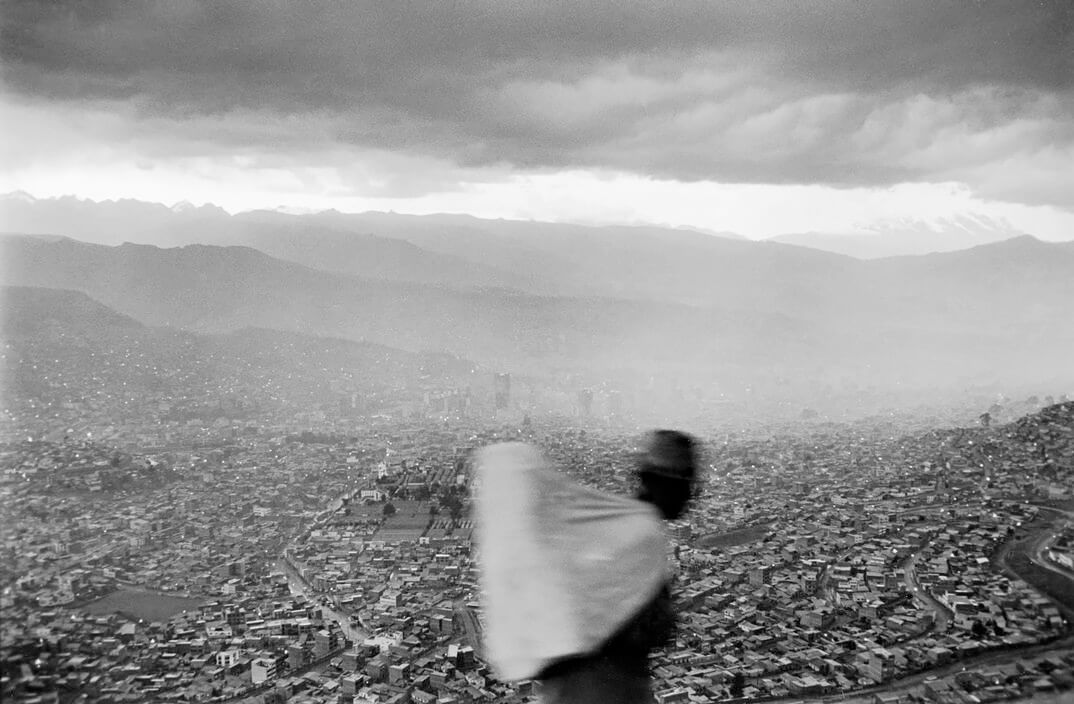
[(618, 671)]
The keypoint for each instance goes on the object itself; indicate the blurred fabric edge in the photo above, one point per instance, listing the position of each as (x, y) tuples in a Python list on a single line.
[(562, 566)]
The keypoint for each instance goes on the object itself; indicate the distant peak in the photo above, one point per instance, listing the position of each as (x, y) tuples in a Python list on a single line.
[(293, 210), (21, 196), (1018, 241), (185, 206)]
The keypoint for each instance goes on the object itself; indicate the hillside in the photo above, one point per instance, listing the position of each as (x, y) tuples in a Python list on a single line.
[(218, 289), (985, 316), (1023, 285), (33, 311), (65, 347)]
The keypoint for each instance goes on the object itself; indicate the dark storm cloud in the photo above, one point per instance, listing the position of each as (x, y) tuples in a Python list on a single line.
[(845, 93)]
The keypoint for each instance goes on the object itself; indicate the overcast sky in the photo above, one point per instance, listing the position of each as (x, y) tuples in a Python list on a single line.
[(759, 118)]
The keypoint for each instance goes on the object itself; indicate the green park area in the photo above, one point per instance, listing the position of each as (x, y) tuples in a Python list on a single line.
[(140, 604), (732, 538)]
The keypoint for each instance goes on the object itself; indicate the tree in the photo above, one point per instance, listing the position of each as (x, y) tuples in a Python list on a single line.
[(389, 510), (980, 632), (738, 684), (453, 505)]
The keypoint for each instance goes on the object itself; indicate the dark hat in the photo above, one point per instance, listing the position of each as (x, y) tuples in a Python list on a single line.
[(669, 453)]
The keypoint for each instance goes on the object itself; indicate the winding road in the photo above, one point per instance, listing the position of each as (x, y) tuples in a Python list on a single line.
[(943, 615), (299, 588), (1043, 541)]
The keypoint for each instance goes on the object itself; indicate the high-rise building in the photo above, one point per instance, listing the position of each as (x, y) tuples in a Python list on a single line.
[(615, 402), (585, 402), (502, 389)]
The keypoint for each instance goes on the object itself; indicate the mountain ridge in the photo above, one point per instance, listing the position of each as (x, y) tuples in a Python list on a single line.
[(547, 259), (865, 324), (907, 238), (542, 258)]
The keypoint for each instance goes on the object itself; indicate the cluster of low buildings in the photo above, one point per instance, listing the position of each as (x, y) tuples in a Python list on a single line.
[(336, 565), (232, 531)]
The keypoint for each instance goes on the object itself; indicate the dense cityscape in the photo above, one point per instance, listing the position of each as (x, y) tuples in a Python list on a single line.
[(324, 553), (485, 352)]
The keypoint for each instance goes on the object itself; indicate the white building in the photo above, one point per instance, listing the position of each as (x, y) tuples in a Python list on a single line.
[(227, 658), (262, 669)]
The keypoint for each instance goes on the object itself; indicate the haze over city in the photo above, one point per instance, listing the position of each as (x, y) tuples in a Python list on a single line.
[(272, 273)]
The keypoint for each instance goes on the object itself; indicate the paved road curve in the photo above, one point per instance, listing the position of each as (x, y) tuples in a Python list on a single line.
[(943, 615), (1043, 541), (300, 588)]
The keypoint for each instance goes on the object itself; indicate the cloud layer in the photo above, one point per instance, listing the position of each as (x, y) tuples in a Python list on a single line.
[(845, 94)]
